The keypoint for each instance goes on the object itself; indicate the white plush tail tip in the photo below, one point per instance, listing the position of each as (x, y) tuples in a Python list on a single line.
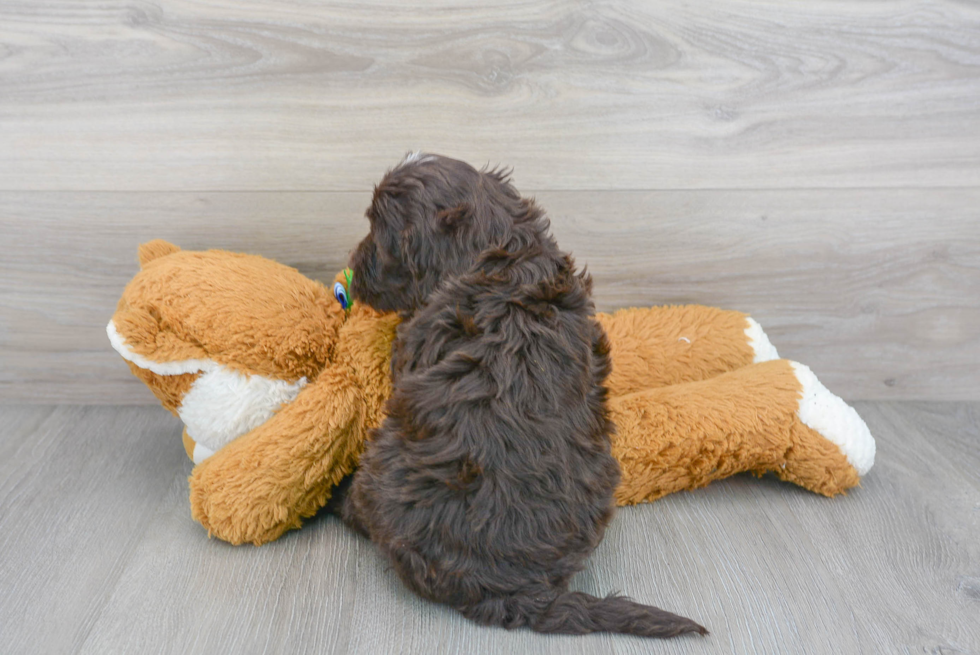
[(837, 421)]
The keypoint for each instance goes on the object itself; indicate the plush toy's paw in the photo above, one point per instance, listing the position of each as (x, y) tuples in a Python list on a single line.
[(835, 420), (244, 513), (762, 348), (832, 446), (773, 416)]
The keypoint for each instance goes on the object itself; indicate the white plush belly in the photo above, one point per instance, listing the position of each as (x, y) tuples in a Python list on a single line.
[(223, 404)]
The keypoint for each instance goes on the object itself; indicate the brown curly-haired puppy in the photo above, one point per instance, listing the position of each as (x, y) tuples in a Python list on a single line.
[(491, 480)]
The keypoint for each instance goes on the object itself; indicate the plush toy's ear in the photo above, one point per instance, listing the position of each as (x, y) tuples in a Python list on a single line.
[(154, 249)]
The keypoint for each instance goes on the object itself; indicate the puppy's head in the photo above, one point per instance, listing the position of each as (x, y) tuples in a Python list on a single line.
[(431, 217)]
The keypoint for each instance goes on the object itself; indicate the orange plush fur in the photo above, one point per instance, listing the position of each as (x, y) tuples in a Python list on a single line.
[(691, 400)]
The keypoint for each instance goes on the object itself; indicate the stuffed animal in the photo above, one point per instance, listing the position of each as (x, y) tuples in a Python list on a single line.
[(279, 380)]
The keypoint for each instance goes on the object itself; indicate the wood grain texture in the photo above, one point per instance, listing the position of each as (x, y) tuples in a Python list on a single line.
[(295, 95), (101, 555), (877, 290), (78, 489)]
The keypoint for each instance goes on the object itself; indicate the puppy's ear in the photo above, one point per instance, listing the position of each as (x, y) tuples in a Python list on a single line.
[(449, 219)]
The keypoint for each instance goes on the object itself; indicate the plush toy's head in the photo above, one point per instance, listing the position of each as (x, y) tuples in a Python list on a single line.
[(205, 331)]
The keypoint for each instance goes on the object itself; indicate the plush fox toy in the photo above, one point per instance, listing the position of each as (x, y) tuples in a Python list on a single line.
[(279, 381)]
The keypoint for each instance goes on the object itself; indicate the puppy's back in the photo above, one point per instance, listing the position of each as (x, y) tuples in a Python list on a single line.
[(491, 480)]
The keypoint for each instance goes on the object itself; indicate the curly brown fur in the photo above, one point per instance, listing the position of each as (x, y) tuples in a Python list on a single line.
[(491, 480)]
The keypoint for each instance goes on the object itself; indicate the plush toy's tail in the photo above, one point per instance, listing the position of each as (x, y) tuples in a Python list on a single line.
[(577, 613)]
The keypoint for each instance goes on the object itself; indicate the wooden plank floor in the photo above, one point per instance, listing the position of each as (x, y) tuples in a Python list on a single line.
[(100, 555)]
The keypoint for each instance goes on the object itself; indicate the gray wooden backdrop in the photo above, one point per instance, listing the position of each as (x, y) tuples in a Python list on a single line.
[(815, 164)]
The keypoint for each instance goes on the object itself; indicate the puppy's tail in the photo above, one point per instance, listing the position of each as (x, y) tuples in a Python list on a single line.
[(576, 613)]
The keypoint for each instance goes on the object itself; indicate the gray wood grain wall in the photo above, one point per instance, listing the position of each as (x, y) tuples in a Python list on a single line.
[(814, 164)]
